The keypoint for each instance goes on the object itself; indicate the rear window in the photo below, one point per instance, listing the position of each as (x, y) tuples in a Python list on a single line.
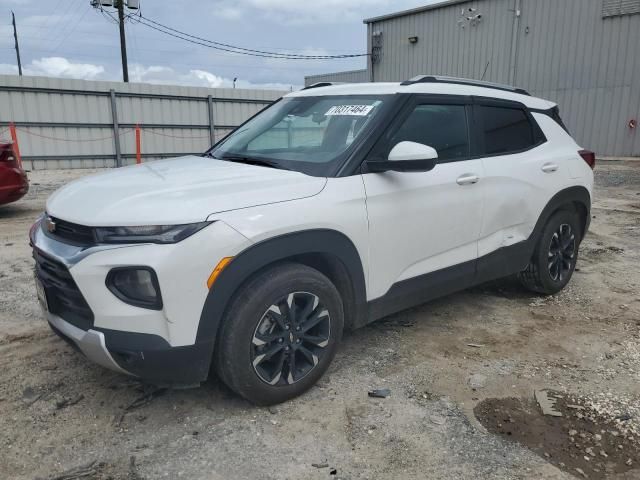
[(555, 114), (506, 130)]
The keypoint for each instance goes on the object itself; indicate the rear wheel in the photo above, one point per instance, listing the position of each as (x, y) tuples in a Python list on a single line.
[(555, 256), (280, 334)]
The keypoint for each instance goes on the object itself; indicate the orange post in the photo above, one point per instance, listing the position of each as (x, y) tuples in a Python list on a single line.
[(138, 146), (16, 147)]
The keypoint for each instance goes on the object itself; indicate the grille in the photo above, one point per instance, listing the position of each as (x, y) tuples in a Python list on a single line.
[(72, 233), (63, 295)]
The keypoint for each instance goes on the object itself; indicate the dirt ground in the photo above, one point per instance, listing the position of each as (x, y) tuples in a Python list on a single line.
[(440, 361)]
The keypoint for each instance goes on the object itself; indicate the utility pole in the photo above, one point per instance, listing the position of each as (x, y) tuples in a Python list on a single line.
[(15, 36), (119, 5), (123, 42)]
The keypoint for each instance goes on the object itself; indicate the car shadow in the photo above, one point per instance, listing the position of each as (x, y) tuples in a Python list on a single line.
[(18, 210)]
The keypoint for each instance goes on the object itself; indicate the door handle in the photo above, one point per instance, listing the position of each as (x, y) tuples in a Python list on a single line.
[(549, 167), (468, 179)]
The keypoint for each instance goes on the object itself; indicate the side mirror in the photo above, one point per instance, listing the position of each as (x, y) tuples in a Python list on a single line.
[(407, 157)]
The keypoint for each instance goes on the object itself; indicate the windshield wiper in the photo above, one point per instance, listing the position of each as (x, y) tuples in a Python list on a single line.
[(252, 161)]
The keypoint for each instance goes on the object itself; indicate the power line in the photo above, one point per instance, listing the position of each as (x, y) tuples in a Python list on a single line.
[(235, 49), (93, 33), (248, 51), (53, 25), (109, 17), (66, 20), (73, 28), (192, 65)]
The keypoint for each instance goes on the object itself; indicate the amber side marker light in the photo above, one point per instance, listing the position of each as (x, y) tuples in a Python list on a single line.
[(222, 264)]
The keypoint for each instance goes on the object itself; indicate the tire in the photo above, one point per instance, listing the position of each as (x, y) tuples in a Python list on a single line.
[(263, 353), (555, 255)]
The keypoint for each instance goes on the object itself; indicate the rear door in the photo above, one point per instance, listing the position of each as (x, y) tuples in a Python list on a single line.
[(522, 171), (421, 222)]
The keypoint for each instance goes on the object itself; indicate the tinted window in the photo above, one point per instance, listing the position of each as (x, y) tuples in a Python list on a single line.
[(506, 130), (443, 127)]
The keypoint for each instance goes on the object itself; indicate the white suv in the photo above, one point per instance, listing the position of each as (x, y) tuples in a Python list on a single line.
[(333, 207)]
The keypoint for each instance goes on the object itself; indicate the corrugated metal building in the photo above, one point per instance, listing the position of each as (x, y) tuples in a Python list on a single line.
[(351, 76), (582, 54)]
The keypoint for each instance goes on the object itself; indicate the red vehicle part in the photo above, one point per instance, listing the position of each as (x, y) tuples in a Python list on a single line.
[(14, 183)]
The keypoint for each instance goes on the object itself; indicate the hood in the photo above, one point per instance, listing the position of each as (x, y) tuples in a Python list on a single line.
[(176, 191)]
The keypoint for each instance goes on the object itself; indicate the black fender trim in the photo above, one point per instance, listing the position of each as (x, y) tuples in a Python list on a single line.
[(270, 251), (515, 258), (568, 196), (497, 264)]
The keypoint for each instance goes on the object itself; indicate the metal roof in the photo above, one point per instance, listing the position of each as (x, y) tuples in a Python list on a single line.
[(433, 6)]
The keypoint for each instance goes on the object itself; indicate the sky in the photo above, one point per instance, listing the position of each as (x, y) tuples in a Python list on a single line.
[(69, 38)]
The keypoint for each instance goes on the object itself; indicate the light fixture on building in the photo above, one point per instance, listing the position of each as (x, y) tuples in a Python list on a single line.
[(413, 40)]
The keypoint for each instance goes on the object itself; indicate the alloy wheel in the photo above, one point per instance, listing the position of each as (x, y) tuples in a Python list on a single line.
[(561, 252), (290, 339)]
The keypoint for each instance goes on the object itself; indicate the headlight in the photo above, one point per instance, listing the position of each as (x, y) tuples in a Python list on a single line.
[(147, 234)]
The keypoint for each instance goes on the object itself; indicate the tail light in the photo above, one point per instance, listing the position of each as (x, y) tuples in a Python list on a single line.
[(7, 155), (589, 157)]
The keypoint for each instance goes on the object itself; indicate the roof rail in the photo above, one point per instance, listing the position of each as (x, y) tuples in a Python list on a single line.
[(319, 84), (463, 81)]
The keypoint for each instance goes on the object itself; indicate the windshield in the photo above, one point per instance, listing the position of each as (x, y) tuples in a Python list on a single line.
[(307, 134)]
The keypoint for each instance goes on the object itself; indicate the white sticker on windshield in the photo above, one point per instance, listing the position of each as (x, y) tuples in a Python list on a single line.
[(353, 110)]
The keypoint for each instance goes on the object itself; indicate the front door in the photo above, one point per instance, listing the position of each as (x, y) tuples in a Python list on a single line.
[(423, 222)]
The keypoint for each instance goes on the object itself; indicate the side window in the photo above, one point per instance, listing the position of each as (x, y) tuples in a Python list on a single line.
[(506, 130), (443, 127)]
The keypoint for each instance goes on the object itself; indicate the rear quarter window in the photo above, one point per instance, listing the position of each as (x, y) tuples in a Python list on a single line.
[(507, 130)]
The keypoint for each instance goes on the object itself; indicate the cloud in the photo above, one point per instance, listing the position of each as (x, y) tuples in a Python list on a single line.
[(63, 68), (57, 67), (194, 78), (169, 76), (304, 12), (229, 13)]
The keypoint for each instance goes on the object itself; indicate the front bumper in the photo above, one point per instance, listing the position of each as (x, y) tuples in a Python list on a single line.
[(155, 345), (13, 192), (141, 355), (91, 343)]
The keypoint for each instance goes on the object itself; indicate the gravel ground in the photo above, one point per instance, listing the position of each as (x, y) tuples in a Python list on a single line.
[(58, 412)]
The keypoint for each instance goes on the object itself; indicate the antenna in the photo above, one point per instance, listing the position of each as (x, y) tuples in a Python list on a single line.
[(485, 71)]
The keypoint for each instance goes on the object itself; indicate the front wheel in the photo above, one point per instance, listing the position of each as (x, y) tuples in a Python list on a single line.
[(555, 256), (279, 334)]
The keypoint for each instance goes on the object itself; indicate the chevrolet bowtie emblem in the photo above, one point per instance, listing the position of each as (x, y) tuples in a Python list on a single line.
[(50, 224)]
